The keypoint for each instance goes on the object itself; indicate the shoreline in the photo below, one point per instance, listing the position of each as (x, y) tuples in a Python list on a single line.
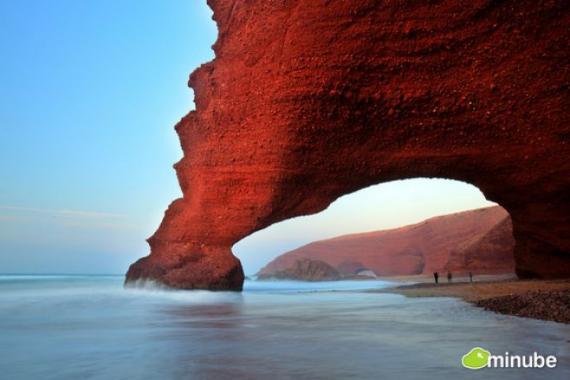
[(547, 300)]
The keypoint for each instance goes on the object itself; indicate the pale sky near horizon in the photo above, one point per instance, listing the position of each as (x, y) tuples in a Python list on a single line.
[(90, 92)]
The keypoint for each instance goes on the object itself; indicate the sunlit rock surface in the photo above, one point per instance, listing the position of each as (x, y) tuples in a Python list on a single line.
[(308, 100), (478, 241)]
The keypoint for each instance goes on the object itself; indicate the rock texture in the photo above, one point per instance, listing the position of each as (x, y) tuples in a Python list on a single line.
[(478, 241), (308, 100), (489, 250), (547, 305), (305, 270)]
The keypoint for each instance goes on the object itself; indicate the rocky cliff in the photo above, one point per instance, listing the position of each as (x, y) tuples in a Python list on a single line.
[(305, 270), (478, 241), (308, 100)]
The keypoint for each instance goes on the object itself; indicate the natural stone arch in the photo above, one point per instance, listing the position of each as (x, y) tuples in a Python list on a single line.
[(308, 100), (427, 211)]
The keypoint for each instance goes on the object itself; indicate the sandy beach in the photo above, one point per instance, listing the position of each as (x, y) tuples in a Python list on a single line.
[(539, 299)]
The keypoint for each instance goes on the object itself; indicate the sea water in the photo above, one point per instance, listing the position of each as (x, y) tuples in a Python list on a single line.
[(90, 327)]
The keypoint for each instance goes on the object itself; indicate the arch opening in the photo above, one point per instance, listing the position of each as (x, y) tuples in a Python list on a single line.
[(406, 227)]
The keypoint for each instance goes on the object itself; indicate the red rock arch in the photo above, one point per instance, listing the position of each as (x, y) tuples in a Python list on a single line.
[(308, 100)]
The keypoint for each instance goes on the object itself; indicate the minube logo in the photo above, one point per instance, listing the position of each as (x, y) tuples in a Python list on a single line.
[(479, 358)]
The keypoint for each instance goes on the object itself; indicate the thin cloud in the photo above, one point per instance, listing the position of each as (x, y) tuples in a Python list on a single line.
[(94, 224), (12, 218), (90, 214), (64, 213)]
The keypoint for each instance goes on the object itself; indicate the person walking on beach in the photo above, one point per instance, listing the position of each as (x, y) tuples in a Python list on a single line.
[(470, 277), (436, 277), (449, 277)]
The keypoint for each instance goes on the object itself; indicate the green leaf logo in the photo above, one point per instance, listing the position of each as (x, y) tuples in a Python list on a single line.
[(477, 358)]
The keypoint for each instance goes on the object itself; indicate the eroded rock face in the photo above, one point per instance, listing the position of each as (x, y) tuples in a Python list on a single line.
[(305, 270), (308, 100), (478, 241)]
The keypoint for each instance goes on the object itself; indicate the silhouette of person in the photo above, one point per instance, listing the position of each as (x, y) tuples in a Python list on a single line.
[(449, 277), (436, 277), (470, 277)]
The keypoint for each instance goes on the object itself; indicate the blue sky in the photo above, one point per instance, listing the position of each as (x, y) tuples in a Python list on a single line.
[(90, 92)]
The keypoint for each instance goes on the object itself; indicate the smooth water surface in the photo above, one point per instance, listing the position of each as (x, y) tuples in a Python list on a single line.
[(79, 327)]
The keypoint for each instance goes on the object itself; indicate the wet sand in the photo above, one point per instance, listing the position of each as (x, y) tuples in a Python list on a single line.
[(539, 299)]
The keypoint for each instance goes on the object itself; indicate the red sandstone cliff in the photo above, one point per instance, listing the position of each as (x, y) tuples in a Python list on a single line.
[(308, 100), (478, 241)]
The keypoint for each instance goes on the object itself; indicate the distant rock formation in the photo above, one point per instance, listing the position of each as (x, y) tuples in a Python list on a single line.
[(366, 273), (478, 241), (490, 252), (315, 270), (304, 270), (350, 267)]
